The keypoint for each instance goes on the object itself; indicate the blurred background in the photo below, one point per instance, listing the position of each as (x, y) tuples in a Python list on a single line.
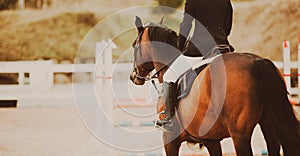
[(47, 121), (53, 29)]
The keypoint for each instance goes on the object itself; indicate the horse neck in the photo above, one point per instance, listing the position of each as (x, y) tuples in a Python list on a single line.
[(164, 50), (162, 60)]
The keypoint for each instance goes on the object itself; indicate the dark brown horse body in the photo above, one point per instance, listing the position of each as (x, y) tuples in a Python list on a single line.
[(229, 98)]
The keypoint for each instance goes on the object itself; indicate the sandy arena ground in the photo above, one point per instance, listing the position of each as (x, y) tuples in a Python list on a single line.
[(50, 125)]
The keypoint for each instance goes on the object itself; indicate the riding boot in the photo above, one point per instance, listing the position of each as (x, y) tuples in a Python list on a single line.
[(170, 98)]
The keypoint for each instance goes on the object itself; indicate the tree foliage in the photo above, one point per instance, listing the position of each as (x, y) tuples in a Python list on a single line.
[(8, 4), (170, 3), (34, 4)]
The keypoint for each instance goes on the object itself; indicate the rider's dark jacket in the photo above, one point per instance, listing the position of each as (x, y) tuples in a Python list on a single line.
[(212, 17)]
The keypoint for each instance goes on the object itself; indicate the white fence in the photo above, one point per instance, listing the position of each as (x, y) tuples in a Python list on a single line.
[(41, 73), (286, 65)]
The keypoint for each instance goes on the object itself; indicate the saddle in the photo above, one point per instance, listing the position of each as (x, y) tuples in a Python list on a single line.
[(186, 80)]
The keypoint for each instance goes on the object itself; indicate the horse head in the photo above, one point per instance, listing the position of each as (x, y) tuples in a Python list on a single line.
[(142, 64), (152, 48)]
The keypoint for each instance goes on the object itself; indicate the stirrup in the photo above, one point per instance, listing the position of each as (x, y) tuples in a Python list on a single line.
[(156, 121), (162, 122), (165, 127)]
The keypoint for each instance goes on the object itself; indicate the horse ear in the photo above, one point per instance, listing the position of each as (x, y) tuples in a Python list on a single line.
[(162, 20), (139, 24)]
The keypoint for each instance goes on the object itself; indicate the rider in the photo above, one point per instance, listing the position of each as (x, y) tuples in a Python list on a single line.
[(213, 22)]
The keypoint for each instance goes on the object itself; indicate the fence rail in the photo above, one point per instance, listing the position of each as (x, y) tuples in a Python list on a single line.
[(41, 73)]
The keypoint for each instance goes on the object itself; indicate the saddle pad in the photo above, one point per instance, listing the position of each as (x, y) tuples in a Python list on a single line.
[(186, 80)]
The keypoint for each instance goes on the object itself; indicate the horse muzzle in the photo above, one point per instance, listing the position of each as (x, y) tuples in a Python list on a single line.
[(136, 80)]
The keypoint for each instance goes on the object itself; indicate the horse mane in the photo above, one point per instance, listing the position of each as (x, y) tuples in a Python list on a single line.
[(167, 39), (161, 33)]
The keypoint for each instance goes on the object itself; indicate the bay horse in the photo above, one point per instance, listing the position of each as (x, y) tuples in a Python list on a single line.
[(233, 94)]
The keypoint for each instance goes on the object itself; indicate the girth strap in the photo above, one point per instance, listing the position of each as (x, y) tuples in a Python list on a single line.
[(198, 140)]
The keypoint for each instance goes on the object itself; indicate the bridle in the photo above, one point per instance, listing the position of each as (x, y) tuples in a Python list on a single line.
[(137, 51)]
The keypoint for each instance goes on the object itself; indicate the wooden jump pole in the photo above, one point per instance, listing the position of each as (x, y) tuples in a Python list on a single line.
[(286, 64)]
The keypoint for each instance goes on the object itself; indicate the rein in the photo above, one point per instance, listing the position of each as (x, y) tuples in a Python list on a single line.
[(150, 77), (155, 75)]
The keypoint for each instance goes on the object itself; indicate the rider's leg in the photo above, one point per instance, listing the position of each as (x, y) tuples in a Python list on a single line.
[(170, 98), (177, 68)]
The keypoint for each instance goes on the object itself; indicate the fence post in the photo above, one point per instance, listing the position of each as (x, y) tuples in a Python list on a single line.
[(99, 61), (41, 76), (286, 64), (103, 79)]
